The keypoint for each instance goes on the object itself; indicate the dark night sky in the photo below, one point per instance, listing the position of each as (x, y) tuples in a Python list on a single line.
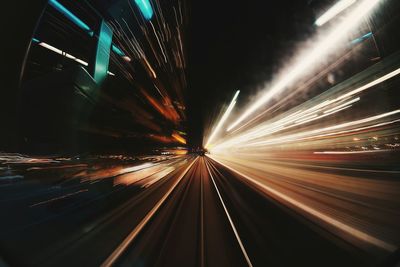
[(236, 45)]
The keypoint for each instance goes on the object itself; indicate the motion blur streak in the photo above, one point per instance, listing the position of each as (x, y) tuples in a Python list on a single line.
[(122, 247), (313, 55), (179, 138), (333, 11), (305, 114), (331, 158), (223, 119), (339, 172), (230, 219), (318, 214), (317, 132), (187, 210)]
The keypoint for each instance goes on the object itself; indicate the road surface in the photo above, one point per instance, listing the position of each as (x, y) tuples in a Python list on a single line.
[(191, 211)]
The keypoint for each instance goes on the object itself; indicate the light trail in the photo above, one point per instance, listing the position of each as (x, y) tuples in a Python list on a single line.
[(156, 41), (335, 10), (335, 110), (319, 157), (58, 198), (350, 152), (371, 84), (357, 233), (179, 138), (223, 119), (229, 218), (312, 56), (110, 261), (342, 105), (77, 21), (293, 119), (316, 133), (145, 8), (62, 53)]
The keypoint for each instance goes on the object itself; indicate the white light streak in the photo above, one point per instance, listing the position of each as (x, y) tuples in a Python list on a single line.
[(320, 50), (84, 63), (60, 52), (126, 58), (69, 56), (137, 168), (316, 213), (51, 48), (351, 152), (337, 110), (370, 84), (334, 11), (223, 119), (306, 118), (342, 105), (310, 134)]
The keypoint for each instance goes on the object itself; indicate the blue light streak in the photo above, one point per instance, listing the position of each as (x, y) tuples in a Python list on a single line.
[(145, 8), (103, 53), (71, 16), (362, 38), (77, 21), (118, 51)]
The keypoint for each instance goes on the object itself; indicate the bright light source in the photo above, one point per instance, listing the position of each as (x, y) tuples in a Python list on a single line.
[(371, 84), (223, 119), (145, 8), (334, 11), (77, 21), (126, 58), (81, 61), (71, 16), (51, 48), (261, 134), (69, 56), (362, 38), (60, 52), (343, 105), (117, 50), (312, 56)]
